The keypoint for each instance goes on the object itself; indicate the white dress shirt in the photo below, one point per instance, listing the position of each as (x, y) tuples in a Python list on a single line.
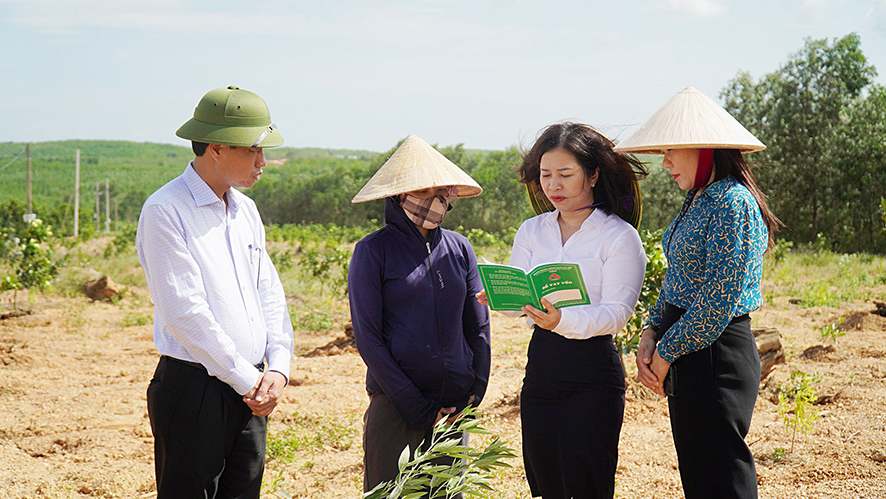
[(612, 261), (217, 298)]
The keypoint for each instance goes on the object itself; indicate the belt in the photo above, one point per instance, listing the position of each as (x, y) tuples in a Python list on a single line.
[(260, 366)]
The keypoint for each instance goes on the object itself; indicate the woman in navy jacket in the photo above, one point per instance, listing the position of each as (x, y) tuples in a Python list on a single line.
[(420, 330)]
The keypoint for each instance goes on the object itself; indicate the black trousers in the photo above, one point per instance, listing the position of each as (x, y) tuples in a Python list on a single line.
[(385, 435), (207, 443), (571, 409), (715, 390)]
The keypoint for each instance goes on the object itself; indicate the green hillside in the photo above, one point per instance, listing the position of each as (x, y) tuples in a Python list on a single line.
[(133, 169), (129, 166)]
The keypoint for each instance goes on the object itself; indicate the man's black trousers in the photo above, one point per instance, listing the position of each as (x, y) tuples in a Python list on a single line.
[(207, 443)]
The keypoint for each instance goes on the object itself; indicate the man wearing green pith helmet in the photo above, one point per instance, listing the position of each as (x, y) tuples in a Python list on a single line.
[(221, 324)]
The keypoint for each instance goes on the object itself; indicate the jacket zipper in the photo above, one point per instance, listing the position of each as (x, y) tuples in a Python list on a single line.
[(432, 274)]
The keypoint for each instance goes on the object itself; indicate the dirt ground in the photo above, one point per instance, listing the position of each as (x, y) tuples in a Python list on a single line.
[(73, 419)]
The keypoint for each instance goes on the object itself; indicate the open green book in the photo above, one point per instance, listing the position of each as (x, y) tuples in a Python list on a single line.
[(509, 288)]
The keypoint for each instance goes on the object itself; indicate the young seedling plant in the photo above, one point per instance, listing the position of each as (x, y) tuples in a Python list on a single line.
[(795, 403), (831, 332)]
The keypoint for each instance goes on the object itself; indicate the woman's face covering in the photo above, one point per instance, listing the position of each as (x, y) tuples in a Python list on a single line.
[(564, 181), (682, 164), (426, 208)]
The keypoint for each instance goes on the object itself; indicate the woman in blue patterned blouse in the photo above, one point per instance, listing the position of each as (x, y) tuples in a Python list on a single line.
[(697, 347)]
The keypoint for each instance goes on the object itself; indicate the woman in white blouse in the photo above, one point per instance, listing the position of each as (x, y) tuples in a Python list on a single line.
[(572, 402)]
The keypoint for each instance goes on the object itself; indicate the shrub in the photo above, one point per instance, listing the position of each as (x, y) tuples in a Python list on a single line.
[(780, 250), (32, 263), (123, 241), (328, 263)]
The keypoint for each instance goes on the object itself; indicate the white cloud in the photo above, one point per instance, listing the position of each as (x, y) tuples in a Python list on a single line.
[(694, 8)]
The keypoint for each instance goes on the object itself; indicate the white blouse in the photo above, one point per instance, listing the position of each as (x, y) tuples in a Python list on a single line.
[(612, 261)]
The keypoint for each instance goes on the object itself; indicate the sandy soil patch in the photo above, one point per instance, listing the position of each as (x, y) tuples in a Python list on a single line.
[(73, 420)]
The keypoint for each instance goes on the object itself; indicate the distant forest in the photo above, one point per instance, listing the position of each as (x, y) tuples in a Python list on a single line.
[(306, 185)]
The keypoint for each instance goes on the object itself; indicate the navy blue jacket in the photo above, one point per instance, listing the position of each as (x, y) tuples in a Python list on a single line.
[(422, 334)]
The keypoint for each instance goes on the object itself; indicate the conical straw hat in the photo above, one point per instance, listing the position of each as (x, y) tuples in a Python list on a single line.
[(690, 119), (416, 165)]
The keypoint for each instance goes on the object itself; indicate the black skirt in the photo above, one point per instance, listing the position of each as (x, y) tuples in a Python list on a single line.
[(571, 409)]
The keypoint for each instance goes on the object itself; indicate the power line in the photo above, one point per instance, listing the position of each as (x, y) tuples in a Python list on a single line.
[(13, 159)]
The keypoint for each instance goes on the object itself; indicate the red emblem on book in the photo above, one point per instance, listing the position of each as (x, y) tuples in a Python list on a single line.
[(554, 277)]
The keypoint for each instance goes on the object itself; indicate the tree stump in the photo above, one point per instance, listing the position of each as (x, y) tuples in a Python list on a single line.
[(816, 352), (101, 288), (770, 349)]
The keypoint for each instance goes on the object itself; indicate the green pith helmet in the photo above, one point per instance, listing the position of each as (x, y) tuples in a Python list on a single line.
[(232, 117)]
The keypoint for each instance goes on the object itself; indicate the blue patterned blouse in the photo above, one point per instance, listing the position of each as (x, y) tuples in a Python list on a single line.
[(715, 262)]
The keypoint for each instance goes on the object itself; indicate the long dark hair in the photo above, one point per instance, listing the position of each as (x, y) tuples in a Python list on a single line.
[(618, 173), (731, 162)]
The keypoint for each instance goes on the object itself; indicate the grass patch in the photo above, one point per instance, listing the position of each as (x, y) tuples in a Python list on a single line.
[(825, 279), (311, 320), (302, 431), (137, 319)]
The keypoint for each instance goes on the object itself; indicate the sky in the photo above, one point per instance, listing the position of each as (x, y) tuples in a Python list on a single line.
[(365, 74)]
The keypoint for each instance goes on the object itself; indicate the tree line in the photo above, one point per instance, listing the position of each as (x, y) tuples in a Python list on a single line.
[(823, 119)]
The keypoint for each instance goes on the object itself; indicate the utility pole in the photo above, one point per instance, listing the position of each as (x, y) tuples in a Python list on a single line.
[(77, 195), (107, 205), (98, 207), (28, 152)]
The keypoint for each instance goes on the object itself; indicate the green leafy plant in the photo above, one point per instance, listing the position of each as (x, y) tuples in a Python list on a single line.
[(831, 332), (328, 263), (275, 487), (493, 246), (123, 241), (778, 453), (282, 260), (795, 403), (308, 233), (29, 257), (628, 339), (780, 250), (311, 320), (470, 471)]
